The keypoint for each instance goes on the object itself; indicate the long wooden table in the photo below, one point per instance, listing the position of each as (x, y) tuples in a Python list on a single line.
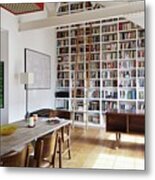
[(24, 135), (125, 122)]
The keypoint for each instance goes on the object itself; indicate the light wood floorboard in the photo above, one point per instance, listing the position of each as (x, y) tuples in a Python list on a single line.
[(94, 148)]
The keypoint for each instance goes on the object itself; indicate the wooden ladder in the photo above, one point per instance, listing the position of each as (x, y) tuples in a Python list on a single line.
[(76, 71), (88, 62)]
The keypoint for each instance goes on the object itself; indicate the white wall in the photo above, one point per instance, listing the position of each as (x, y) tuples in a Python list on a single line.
[(40, 40)]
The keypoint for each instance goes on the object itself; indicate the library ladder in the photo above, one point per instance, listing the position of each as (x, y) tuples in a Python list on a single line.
[(77, 59), (88, 62)]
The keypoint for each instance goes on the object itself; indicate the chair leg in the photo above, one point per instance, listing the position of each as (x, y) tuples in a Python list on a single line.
[(69, 148), (55, 151), (60, 152)]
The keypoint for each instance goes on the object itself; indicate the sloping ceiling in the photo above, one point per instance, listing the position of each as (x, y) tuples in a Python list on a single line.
[(22, 8)]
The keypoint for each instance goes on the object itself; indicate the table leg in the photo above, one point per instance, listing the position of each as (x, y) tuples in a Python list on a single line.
[(118, 139)]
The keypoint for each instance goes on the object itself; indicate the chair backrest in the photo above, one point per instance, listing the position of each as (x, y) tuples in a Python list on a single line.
[(17, 158), (60, 114), (44, 148)]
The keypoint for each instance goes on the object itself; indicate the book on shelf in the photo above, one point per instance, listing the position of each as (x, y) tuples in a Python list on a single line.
[(108, 38), (94, 93), (109, 28), (62, 104), (141, 95), (109, 105), (94, 119), (141, 73), (110, 94), (126, 26), (128, 94), (79, 117), (127, 35), (127, 54), (128, 106), (94, 105)]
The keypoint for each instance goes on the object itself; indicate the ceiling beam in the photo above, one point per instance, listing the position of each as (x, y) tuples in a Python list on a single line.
[(55, 21)]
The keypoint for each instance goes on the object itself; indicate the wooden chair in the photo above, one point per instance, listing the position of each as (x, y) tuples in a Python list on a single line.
[(64, 134), (18, 158), (66, 140), (45, 151)]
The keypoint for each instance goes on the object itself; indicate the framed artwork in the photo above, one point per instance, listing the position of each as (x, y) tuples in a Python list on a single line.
[(40, 65)]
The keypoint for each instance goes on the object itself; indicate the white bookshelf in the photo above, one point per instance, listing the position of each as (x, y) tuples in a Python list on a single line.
[(66, 8), (117, 70)]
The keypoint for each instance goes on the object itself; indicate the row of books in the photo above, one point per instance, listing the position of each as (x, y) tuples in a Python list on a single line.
[(62, 50), (129, 54), (111, 37), (141, 33), (141, 72), (64, 42), (141, 106), (93, 39), (79, 75), (94, 105), (62, 59), (94, 75), (95, 56), (77, 32), (63, 83), (141, 82), (128, 45), (62, 104), (63, 34), (109, 56), (74, 41), (141, 95), (127, 74), (81, 58), (61, 75), (109, 105), (79, 83), (110, 46), (79, 117), (126, 26), (128, 35), (78, 66), (128, 94), (141, 64), (141, 43), (127, 83), (95, 119), (109, 28), (127, 64), (79, 93), (141, 53), (109, 83), (109, 74), (128, 106), (110, 94), (63, 67), (94, 93), (109, 65), (78, 105)]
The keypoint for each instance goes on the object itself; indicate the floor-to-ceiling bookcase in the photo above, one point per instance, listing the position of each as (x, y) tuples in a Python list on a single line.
[(116, 69)]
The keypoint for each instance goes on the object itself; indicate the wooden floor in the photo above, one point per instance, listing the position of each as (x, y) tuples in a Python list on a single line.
[(93, 148)]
